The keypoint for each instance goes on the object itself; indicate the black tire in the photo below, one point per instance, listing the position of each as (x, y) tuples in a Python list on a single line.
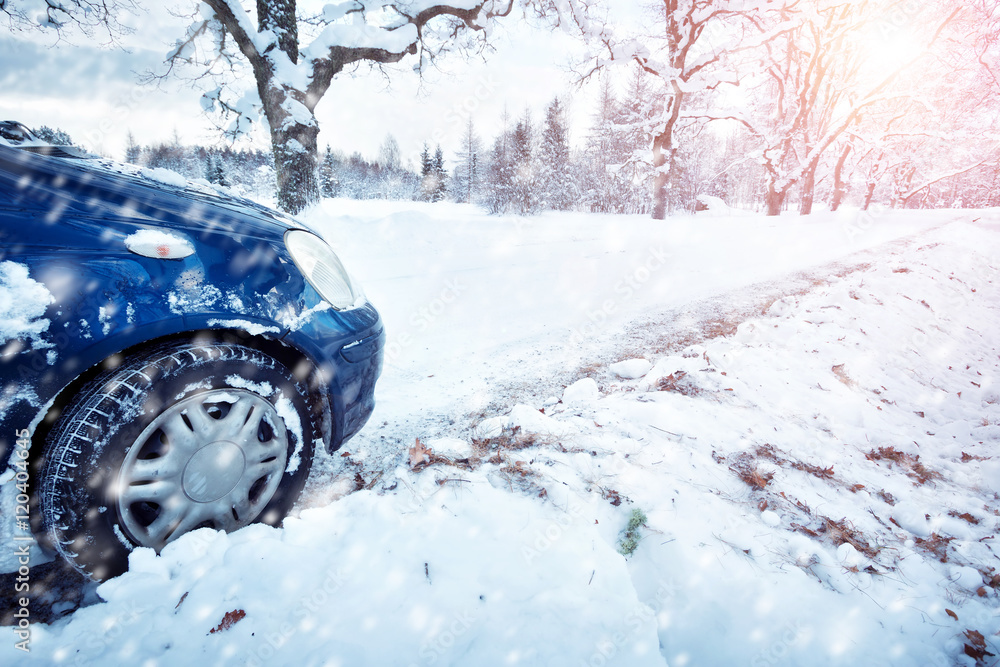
[(147, 451)]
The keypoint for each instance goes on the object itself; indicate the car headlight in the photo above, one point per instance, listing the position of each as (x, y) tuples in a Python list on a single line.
[(322, 268)]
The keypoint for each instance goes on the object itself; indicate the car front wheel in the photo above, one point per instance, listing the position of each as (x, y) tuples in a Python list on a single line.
[(182, 437)]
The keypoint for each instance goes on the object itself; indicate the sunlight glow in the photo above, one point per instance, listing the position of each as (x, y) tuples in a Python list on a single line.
[(886, 48)]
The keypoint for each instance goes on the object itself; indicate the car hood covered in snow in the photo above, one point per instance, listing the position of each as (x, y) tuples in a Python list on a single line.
[(50, 188)]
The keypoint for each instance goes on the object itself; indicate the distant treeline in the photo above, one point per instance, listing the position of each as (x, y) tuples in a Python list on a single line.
[(531, 167)]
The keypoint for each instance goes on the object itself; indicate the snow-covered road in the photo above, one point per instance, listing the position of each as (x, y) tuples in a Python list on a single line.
[(810, 447), (475, 304)]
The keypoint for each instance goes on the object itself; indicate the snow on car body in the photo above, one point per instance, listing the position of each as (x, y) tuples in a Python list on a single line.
[(109, 273)]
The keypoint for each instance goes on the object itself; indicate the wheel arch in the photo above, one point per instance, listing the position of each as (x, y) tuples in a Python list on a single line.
[(301, 366)]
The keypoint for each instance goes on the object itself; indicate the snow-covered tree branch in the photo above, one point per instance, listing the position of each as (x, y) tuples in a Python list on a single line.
[(294, 59)]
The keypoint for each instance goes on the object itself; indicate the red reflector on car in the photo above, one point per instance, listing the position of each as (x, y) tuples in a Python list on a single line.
[(159, 244)]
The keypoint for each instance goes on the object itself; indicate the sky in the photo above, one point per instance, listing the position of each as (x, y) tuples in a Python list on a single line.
[(95, 94)]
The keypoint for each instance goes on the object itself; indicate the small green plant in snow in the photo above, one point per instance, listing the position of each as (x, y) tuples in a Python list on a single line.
[(629, 540)]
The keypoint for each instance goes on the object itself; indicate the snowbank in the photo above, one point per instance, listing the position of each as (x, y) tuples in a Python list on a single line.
[(814, 454), (454, 574)]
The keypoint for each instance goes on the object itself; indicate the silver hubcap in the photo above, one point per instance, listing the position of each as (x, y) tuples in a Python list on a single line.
[(212, 460), (213, 472)]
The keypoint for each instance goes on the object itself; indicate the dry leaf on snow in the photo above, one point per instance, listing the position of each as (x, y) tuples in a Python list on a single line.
[(419, 454)]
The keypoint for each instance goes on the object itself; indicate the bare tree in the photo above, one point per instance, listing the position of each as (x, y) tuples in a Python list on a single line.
[(684, 53), (89, 17), (915, 141), (818, 88), (389, 155), (683, 66), (294, 59), (810, 71)]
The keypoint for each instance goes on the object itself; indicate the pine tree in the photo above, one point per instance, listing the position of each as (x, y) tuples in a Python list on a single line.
[(426, 174), (440, 175), (466, 183), (55, 136), (633, 125), (606, 152), (132, 149), (523, 196), (209, 168), (604, 138), (499, 185), (220, 173), (556, 189), (329, 186), (500, 170), (215, 171)]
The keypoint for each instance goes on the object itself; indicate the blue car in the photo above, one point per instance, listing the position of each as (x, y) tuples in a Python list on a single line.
[(169, 357)]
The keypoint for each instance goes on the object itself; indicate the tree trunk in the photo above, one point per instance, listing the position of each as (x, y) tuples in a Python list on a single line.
[(279, 16), (664, 155), (902, 186), (774, 200), (872, 179), (869, 194), (839, 186), (294, 133), (660, 180), (808, 188), (664, 148), (663, 144), (289, 114), (296, 160)]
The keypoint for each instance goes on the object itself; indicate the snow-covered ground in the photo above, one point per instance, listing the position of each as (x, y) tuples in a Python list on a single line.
[(806, 429)]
